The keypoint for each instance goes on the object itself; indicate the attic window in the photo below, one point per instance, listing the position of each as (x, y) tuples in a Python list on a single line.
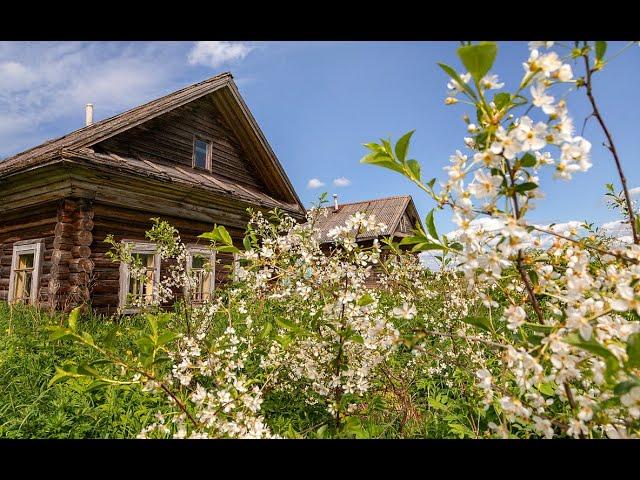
[(201, 153)]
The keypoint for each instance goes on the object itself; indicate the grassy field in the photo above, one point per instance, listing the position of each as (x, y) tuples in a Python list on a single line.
[(29, 408), (403, 405)]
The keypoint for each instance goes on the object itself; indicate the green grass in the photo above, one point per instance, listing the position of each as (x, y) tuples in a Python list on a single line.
[(29, 408), (414, 405)]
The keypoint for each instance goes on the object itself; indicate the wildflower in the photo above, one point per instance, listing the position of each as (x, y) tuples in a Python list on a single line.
[(490, 82), (515, 316), (541, 99), (406, 312)]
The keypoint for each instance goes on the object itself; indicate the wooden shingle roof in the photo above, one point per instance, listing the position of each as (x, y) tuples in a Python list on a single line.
[(79, 142), (387, 210)]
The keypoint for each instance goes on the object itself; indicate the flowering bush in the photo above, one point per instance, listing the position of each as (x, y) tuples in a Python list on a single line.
[(523, 330), (564, 315)]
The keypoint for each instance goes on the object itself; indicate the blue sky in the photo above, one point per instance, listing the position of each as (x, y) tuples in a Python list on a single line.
[(317, 102)]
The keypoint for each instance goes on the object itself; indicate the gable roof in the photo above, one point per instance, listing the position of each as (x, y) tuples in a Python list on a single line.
[(388, 210), (233, 108)]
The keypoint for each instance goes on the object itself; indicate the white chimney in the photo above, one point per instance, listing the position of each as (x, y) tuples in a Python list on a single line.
[(335, 202), (88, 118)]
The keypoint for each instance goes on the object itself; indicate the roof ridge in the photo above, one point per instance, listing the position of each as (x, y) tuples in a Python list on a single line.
[(371, 200), (98, 124)]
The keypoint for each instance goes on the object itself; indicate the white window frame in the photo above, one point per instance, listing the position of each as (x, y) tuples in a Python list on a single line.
[(35, 246), (236, 265), (209, 155), (205, 252), (125, 274)]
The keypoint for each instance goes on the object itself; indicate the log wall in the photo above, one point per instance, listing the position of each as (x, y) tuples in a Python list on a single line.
[(130, 224), (28, 224)]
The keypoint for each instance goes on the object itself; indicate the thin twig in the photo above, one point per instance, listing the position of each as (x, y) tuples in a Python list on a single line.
[(611, 146)]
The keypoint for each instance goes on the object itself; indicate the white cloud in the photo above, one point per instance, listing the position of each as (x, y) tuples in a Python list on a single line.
[(215, 53), (14, 76), (45, 85), (634, 191), (342, 182), (315, 183)]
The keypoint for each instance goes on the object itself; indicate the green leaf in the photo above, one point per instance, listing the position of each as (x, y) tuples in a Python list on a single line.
[(548, 389), (525, 187), (593, 346), (62, 375), (453, 74), (86, 336), (381, 159), (601, 48), (266, 330), (364, 300), (480, 322), (224, 234), (286, 324), (623, 387), (633, 350), (88, 371), (402, 145), (218, 234), (423, 247), (246, 243), (228, 249), (166, 337), (501, 99), (414, 169), (431, 225), (375, 147), (73, 318), (59, 333), (528, 160), (479, 58)]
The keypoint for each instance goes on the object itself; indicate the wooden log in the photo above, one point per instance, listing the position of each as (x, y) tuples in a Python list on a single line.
[(83, 224), (63, 229), (83, 238), (61, 256), (81, 251), (102, 262), (63, 243), (80, 265), (59, 269), (78, 278), (105, 300), (68, 205), (107, 286), (101, 275)]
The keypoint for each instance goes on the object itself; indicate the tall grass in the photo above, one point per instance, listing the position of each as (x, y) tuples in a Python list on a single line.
[(29, 408)]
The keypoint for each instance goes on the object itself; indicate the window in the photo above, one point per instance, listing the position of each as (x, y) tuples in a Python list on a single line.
[(201, 265), (139, 280), (201, 153), (24, 278)]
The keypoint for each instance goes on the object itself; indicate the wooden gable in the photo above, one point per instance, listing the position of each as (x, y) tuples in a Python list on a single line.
[(169, 139)]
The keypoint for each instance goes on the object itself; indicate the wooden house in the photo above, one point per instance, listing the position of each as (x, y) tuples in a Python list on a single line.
[(398, 213), (194, 157)]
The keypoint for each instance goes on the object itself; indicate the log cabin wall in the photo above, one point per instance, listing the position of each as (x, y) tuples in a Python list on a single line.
[(169, 138), (28, 224), (130, 224)]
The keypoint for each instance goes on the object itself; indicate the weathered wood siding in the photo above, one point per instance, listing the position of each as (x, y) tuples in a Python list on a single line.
[(27, 224), (130, 224), (169, 138)]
